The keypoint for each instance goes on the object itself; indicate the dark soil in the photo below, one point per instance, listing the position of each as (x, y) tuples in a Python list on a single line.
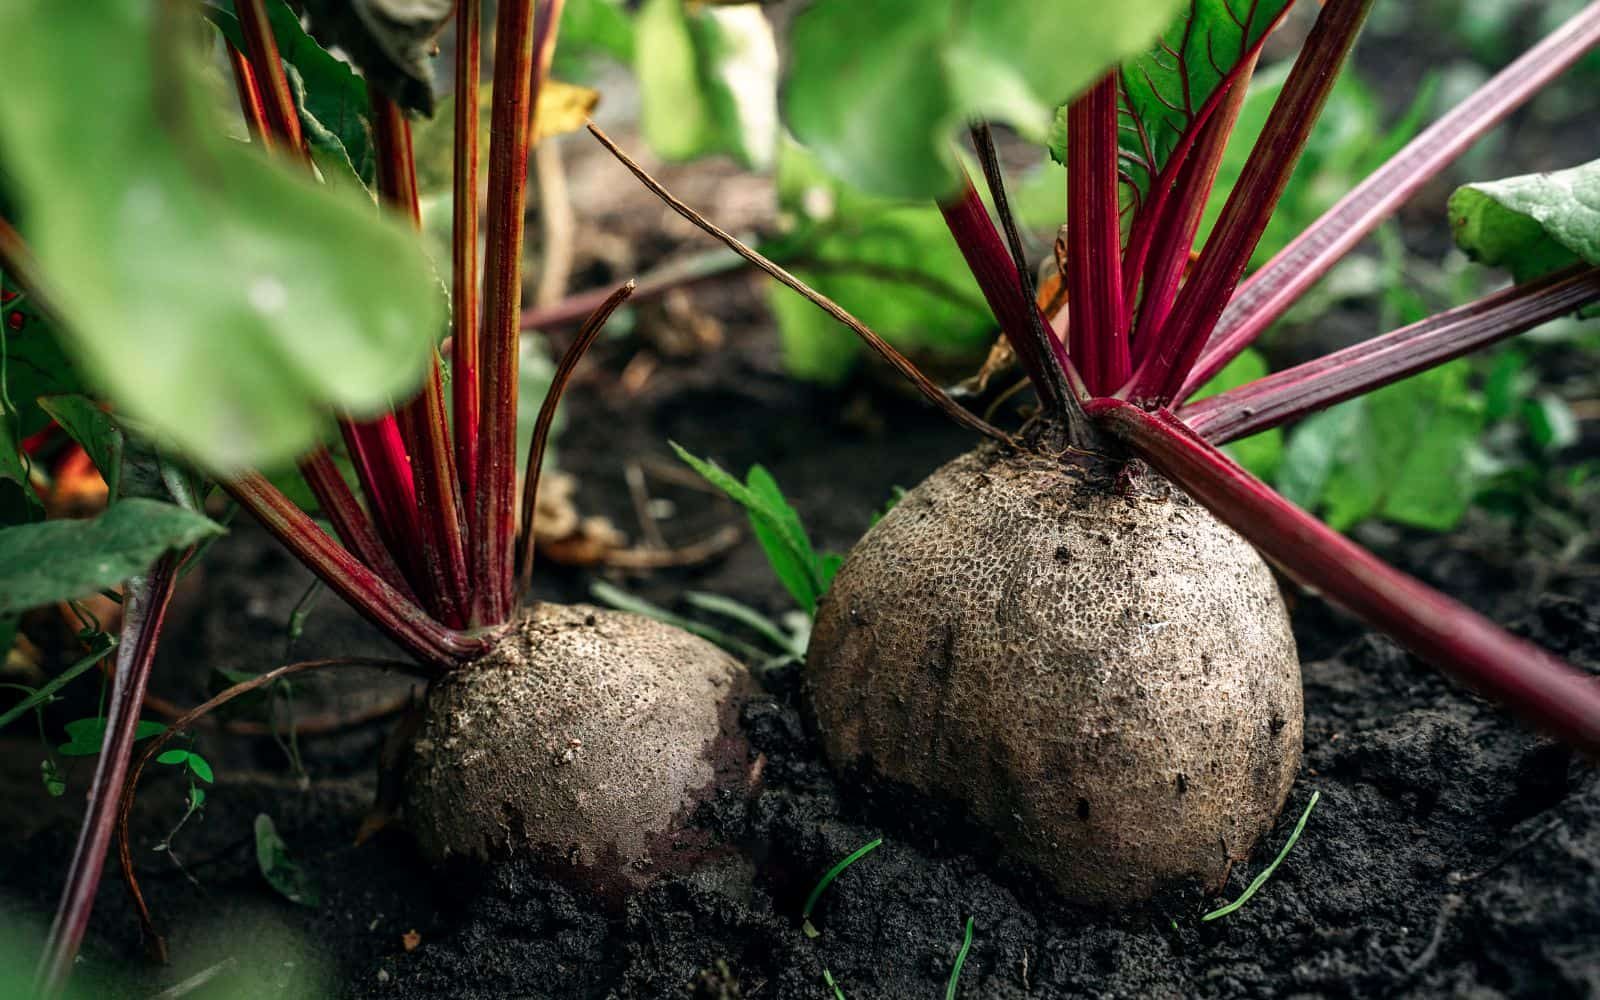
[(1452, 853)]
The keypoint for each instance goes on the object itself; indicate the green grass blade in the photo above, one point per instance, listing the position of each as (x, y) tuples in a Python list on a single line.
[(745, 615), (56, 683), (827, 977), (961, 959), (833, 873), (1261, 879), (620, 599)]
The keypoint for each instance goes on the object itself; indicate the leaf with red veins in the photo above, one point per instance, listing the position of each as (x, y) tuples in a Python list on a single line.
[(1169, 91)]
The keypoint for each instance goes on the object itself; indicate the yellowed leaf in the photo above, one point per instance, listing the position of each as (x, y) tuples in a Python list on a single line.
[(563, 108)]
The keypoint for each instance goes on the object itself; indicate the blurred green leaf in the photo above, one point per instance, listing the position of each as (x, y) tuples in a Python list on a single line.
[(878, 91), (707, 81), (590, 28), (279, 867), (1406, 453), (1261, 453), (892, 264), (219, 294), (62, 560), (1550, 422), (1533, 224)]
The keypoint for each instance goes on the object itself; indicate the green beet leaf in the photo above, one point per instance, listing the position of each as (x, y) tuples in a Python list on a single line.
[(1533, 224), (707, 81), (331, 98), (392, 41), (222, 296), (65, 559), (890, 263), (877, 88)]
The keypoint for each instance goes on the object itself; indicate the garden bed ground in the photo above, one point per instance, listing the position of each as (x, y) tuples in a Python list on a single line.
[(1452, 853)]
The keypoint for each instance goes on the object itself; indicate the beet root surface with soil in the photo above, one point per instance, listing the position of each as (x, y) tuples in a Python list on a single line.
[(586, 738), (1085, 660)]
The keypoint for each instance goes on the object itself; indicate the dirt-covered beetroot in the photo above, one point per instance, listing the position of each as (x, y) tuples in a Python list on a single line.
[(587, 736), (1086, 660)]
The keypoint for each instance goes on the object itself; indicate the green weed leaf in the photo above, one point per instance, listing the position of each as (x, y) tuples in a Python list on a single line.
[(1406, 453), (85, 736), (280, 869), (61, 560), (221, 295), (200, 768), (776, 526), (878, 91)]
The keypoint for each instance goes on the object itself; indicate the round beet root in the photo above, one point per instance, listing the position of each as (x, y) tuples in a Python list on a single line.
[(587, 737), (1094, 667)]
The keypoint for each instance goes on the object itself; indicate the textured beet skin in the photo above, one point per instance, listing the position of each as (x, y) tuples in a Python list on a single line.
[(587, 738), (1083, 658)]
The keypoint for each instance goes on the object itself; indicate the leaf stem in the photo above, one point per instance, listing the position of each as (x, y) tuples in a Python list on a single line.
[(1097, 328), (144, 610), (349, 519), (1244, 218), (1289, 394), (277, 100), (1180, 221), (421, 420), (547, 414), (464, 245), (251, 104), (492, 528), (409, 625), (1046, 364), (1528, 681), (1267, 294)]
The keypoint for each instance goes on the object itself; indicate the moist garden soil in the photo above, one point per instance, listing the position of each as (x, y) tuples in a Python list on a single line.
[(1452, 852)]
